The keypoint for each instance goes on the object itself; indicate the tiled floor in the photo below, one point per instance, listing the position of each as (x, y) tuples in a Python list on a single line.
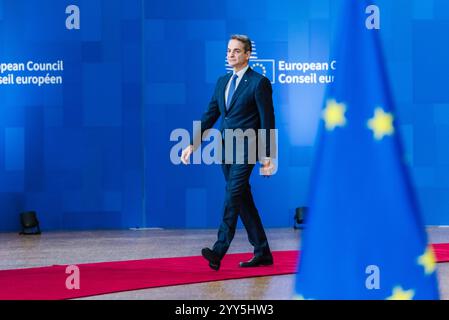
[(97, 246)]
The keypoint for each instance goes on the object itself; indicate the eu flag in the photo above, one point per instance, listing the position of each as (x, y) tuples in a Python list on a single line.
[(363, 237)]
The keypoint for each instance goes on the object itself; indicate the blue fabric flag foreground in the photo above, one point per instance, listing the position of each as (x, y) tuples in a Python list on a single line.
[(363, 237)]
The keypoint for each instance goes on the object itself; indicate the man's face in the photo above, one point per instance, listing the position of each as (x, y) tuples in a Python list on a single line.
[(237, 57)]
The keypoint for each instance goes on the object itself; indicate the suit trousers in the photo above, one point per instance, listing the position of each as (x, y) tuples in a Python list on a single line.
[(239, 201)]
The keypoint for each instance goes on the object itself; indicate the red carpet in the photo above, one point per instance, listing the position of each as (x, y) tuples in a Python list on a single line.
[(48, 283)]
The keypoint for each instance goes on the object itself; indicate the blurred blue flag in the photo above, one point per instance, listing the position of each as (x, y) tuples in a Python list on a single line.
[(363, 237)]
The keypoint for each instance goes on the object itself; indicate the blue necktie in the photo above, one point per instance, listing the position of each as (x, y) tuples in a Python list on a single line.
[(231, 90)]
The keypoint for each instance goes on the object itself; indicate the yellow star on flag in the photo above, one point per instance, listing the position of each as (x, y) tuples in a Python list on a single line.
[(381, 124), (400, 294), (427, 260), (334, 115)]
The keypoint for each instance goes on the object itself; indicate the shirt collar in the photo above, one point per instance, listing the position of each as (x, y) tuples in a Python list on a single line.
[(241, 72)]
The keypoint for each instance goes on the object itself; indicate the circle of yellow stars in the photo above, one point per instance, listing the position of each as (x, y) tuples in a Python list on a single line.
[(426, 260), (381, 123)]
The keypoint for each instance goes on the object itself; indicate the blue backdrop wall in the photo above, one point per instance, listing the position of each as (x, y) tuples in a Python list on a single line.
[(92, 149), (72, 151)]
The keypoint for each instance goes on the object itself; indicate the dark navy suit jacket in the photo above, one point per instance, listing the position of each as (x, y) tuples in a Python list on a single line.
[(251, 106)]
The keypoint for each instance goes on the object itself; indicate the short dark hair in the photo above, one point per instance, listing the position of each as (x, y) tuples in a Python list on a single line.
[(245, 40)]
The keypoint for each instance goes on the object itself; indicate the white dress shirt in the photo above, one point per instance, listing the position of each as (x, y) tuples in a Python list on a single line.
[(240, 76)]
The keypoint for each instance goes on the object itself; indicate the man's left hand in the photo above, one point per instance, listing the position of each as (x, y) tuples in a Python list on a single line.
[(267, 167)]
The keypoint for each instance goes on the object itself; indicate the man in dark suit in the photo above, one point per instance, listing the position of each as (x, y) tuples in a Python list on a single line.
[(244, 100)]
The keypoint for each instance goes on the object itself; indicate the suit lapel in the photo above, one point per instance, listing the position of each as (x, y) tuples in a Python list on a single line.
[(223, 91), (241, 87)]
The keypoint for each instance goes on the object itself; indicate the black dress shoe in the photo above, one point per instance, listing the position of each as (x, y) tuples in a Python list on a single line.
[(211, 256), (258, 261)]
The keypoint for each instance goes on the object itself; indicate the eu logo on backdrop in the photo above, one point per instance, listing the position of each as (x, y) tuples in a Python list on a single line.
[(264, 67)]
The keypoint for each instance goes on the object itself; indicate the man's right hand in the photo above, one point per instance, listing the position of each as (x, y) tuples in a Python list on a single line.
[(186, 154)]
